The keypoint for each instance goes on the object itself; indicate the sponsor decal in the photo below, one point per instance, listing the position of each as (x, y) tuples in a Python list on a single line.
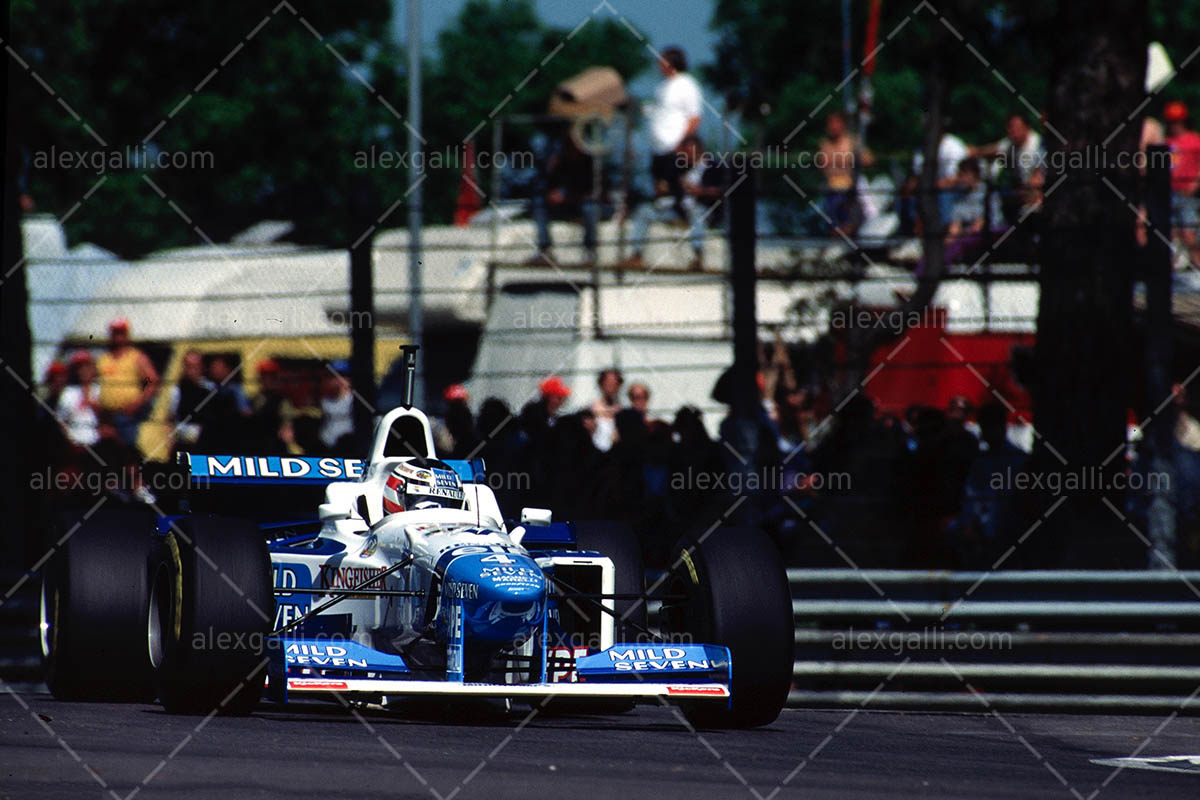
[(699, 690), (291, 607), (371, 546), (326, 656), (650, 659), (349, 577), (316, 683), (496, 573), (277, 467), (564, 674), (454, 647), (460, 590)]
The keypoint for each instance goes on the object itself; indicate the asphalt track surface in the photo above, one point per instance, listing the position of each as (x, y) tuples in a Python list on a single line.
[(55, 749)]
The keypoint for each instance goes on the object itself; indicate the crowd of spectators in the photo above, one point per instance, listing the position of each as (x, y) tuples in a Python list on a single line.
[(92, 412), (929, 488), (916, 490)]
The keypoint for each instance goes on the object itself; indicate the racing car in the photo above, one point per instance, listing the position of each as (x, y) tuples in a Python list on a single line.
[(409, 583)]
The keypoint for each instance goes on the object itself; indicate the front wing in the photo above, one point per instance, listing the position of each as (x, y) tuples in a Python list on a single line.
[(637, 671)]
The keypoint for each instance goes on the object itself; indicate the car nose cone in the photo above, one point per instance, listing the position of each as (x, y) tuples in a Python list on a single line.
[(503, 595)]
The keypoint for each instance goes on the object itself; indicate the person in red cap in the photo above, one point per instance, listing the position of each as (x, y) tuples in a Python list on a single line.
[(1185, 174), (554, 394), (55, 382), (128, 382), (454, 434), (272, 413)]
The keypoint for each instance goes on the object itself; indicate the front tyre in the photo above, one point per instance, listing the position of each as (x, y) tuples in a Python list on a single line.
[(211, 608), (93, 607), (735, 593)]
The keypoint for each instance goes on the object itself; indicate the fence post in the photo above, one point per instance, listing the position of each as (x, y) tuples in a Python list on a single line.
[(746, 407)]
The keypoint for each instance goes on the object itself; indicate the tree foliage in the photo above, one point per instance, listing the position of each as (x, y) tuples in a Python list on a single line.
[(279, 129)]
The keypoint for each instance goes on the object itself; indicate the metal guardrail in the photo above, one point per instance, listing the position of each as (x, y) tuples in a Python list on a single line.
[(1071, 639)]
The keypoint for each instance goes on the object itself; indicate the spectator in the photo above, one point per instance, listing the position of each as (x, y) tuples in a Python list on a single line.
[(128, 382), (565, 185), (605, 408), (501, 452), (56, 380), (629, 458), (666, 208), (951, 152), (675, 115), (337, 407), (538, 421), (958, 450), (459, 424), (222, 374), (1016, 166), (271, 414), (981, 527), (188, 399), (841, 158), (972, 216), (1152, 134), (1185, 175), (225, 414), (79, 402), (639, 401), (554, 394)]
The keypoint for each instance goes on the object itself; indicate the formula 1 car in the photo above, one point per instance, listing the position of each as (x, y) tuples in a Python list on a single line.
[(409, 584)]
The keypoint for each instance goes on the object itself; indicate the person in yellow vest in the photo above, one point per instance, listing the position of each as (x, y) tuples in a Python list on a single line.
[(128, 382)]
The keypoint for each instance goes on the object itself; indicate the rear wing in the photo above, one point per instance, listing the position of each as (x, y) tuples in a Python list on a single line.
[(297, 470)]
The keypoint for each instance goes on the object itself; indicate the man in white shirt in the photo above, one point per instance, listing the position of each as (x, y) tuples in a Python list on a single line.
[(674, 116), (1017, 169), (951, 152)]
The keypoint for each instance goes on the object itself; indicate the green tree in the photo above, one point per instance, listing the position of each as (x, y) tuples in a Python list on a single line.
[(499, 58), (270, 134)]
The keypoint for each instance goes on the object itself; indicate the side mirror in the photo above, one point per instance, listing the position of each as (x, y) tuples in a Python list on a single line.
[(536, 516), (332, 511)]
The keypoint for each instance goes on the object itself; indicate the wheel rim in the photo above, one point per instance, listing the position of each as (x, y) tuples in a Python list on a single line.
[(47, 618), (159, 608)]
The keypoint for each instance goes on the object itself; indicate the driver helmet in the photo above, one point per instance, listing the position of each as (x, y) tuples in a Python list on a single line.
[(424, 484)]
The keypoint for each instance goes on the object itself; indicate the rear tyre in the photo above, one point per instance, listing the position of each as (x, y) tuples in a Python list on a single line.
[(211, 608), (93, 608), (737, 595)]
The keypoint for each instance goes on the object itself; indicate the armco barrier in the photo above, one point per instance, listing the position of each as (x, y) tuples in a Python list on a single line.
[(1013, 639)]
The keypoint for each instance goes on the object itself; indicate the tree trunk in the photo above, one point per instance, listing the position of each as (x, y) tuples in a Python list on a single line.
[(1088, 256)]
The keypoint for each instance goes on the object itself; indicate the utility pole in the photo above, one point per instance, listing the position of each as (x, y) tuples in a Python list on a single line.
[(416, 311), (362, 307)]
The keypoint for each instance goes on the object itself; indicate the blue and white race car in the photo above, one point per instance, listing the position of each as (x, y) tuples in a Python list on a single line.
[(410, 583)]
